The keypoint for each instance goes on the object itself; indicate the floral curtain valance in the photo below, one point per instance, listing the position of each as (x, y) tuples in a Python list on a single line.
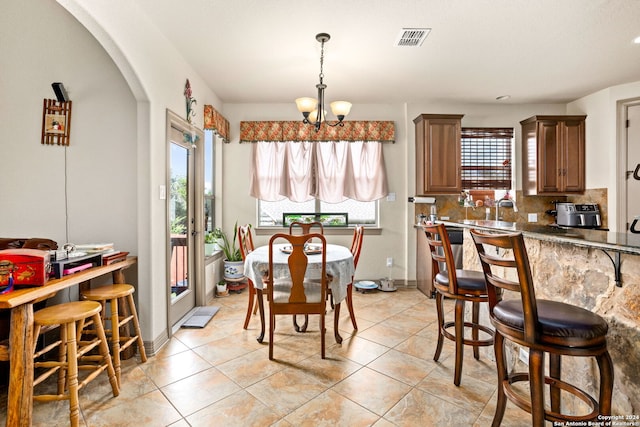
[(216, 122), (381, 131)]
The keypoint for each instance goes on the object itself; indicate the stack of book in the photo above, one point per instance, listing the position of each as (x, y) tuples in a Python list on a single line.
[(113, 257), (95, 247), (109, 254)]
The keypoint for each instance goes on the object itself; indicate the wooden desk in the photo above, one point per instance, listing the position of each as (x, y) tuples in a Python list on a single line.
[(20, 302)]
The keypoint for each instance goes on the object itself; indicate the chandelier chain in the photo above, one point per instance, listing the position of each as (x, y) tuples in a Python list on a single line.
[(321, 75)]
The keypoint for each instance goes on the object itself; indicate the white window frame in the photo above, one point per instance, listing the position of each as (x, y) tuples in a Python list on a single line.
[(317, 204)]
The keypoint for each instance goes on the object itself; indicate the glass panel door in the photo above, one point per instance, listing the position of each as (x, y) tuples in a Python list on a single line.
[(180, 217), (633, 165)]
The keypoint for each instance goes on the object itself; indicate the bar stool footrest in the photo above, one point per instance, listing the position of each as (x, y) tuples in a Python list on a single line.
[(525, 404), (467, 341)]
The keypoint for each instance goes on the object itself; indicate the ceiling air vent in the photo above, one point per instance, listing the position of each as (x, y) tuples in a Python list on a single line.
[(412, 37)]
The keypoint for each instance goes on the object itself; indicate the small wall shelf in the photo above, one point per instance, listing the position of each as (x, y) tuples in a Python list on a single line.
[(56, 122)]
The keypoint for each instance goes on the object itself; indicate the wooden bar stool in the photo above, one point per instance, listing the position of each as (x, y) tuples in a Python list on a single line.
[(544, 327), (120, 339), (73, 352), (461, 286)]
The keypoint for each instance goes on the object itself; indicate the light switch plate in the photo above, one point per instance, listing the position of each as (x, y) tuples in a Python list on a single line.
[(391, 197), (532, 217)]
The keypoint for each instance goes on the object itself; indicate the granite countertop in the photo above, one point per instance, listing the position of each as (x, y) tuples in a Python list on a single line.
[(607, 240)]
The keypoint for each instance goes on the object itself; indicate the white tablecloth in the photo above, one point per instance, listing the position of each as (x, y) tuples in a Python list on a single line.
[(339, 265)]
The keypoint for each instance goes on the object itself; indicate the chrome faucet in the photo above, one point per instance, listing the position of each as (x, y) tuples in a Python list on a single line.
[(505, 203)]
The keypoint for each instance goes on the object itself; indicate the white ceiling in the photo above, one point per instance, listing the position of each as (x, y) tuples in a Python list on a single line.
[(536, 51)]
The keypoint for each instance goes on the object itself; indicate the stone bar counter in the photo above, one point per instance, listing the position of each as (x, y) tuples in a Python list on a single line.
[(594, 269)]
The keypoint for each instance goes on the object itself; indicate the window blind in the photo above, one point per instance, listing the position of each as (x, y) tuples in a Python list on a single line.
[(486, 158)]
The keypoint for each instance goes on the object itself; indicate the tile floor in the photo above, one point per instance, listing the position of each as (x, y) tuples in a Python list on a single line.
[(382, 375)]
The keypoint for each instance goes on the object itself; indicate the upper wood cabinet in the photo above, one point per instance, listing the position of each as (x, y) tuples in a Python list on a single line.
[(553, 155), (438, 151)]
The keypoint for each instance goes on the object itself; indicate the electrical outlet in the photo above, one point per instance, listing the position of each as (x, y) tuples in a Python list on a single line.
[(389, 262), (532, 217), (524, 356)]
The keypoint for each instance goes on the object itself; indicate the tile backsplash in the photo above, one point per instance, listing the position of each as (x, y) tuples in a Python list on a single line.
[(448, 205)]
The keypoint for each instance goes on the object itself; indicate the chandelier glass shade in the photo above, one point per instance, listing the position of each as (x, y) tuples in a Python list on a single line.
[(313, 110)]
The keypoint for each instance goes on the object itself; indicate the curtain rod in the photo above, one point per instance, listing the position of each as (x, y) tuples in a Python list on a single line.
[(253, 142)]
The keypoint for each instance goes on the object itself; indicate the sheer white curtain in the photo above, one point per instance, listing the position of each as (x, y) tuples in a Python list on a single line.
[(329, 171)]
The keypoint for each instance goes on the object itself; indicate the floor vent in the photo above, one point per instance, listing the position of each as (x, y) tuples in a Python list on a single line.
[(412, 37)]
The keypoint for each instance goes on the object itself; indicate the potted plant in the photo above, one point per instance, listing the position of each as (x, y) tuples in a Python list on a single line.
[(233, 264), (221, 287)]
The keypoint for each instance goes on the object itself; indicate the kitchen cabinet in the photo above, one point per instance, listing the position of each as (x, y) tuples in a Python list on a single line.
[(553, 155), (438, 154)]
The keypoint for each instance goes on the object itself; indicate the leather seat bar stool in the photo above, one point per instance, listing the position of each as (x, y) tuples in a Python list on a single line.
[(462, 286), (73, 352), (119, 296), (544, 327)]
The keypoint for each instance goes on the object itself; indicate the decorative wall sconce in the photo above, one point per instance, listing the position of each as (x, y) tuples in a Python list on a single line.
[(190, 101), (56, 117)]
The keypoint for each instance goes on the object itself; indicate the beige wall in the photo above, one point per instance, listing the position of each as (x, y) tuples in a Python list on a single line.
[(605, 140), (122, 77), (156, 74), (99, 166)]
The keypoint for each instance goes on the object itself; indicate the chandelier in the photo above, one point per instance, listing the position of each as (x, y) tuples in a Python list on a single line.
[(313, 109)]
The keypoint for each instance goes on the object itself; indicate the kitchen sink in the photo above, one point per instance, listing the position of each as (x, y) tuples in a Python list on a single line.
[(505, 225)]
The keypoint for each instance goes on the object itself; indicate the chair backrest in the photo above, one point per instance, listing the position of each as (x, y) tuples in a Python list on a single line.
[(305, 226), (356, 244), (299, 290), (503, 256), (440, 248), (246, 240)]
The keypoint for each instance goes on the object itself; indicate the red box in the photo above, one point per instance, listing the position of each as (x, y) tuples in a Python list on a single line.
[(29, 267)]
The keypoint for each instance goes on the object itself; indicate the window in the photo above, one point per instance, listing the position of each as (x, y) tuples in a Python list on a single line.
[(209, 199), (318, 178), (362, 213), (486, 158)]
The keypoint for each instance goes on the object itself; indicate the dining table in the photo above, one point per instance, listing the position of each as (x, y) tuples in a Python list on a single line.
[(340, 268), (18, 349)]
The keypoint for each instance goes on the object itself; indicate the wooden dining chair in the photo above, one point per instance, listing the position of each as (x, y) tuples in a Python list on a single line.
[(356, 246), (297, 292), (543, 327), (462, 286), (306, 227), (245, 240)]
